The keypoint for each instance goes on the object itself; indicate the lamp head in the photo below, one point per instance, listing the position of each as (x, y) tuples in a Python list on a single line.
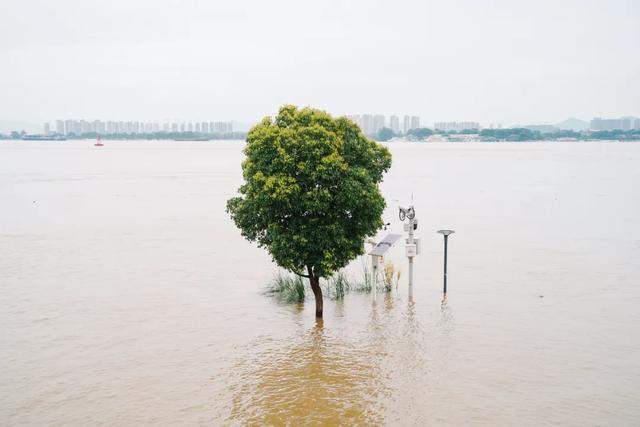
[(446, 232)]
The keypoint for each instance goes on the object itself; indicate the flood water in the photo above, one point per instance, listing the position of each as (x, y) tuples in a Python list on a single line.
[(129, 297)]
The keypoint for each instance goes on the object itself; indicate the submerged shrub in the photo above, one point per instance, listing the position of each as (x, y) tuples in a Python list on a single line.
[(288, 288), (365, 284), (338, 285)]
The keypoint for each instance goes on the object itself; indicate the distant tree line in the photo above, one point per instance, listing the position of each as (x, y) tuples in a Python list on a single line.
[(522, 134), (515, 134), (385, 134)]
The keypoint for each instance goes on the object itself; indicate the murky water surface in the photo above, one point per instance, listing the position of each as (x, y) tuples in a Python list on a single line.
[(128, 296)]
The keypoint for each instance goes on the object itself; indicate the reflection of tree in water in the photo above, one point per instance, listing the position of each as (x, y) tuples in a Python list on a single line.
[(320, 379), (388, 372)]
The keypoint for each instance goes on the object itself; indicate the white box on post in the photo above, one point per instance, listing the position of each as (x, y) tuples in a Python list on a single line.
[(411, 250)]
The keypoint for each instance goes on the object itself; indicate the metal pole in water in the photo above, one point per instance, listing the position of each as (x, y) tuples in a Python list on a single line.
[(446, 239), (446, 234), (411, 247), (411, 257)]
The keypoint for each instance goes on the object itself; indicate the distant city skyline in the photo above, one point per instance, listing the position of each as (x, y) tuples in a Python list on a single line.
[(373, 123), (107, 127), (370, 124)]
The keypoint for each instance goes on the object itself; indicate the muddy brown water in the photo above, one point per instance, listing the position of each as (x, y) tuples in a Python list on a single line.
[(128, 296)]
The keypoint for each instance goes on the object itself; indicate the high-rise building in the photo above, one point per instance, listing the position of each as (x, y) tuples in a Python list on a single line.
[(625, 123), (198, 127), (378, 122), (394, 124), (367, 124), (98, 126), (72, 127), (406, 124), (190, 127), (85, 126), (174, 127), (415, 122), (183, 128), (47, 128), (60, 127), (222, 127)]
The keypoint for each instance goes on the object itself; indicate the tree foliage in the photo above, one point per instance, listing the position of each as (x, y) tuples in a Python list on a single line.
[(511, 134), (310, 194), (419, 133), (385, 134)]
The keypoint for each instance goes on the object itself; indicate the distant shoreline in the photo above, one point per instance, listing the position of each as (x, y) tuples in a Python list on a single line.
[(415, 135), (390, 142)]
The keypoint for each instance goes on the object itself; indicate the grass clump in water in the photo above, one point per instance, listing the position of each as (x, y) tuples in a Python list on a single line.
[(387, 279), (338, 285), (288, 288), (365, 284)]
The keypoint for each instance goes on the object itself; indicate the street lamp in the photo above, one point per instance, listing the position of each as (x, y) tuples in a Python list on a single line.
[(445, 233)]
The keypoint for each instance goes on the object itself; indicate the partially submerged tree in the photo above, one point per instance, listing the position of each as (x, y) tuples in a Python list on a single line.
[(310, 195)]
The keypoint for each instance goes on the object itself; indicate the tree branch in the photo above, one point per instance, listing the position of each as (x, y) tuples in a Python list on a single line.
[(300, 274)]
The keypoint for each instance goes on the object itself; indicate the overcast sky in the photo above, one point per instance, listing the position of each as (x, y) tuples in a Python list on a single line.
[(488, 61)]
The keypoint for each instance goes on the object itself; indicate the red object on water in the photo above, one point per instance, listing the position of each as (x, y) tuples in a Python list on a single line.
[(99, 142)]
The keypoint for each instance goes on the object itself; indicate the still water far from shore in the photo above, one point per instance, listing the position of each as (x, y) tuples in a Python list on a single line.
[(129, 297)]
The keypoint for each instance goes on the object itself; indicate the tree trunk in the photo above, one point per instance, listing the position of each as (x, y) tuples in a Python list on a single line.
[(317, 292)]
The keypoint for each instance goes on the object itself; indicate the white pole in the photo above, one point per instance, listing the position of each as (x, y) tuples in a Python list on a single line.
[(411, 258)]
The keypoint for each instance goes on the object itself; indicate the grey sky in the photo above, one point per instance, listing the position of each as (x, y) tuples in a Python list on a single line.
[(490, 61)]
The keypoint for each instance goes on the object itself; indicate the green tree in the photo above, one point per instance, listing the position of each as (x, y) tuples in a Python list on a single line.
[(419, 133), (385, 134), (310, 194)]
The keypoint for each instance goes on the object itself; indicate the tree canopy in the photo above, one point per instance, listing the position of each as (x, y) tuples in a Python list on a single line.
[(385, 134), (310, 194), (511, 134), (420, 132)]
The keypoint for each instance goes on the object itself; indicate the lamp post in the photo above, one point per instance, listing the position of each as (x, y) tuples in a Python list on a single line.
[(446, 234)]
